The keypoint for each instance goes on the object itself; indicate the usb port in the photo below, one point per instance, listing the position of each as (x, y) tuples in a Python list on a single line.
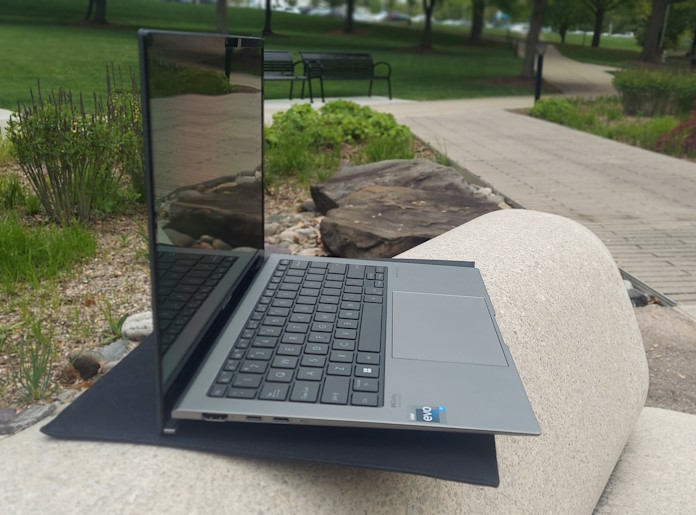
[(281, 420), (214, 417)]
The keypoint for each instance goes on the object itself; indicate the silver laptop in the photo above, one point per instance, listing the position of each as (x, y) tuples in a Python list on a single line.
[(248, 337)]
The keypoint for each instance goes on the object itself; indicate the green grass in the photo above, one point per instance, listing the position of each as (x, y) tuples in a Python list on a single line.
[(33, 254), (604, 56), (46, 40)]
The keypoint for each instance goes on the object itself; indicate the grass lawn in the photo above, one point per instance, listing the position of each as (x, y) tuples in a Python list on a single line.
[(47, 40)]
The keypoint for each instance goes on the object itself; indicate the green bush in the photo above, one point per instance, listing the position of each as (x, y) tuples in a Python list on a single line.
[(307, 145), (12, 195), (64, 152), (655, 93)]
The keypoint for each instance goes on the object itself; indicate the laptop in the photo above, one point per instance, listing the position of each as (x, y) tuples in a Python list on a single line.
[(278, 339)]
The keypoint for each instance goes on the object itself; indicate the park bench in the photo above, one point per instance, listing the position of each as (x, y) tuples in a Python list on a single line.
[(342, 66), (278, 65)]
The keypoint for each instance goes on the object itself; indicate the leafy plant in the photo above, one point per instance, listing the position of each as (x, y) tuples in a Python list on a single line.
[(36, 354), (12, 195), (115, 324), (681, 139), (125, 119), (65, 154), (652, 93), (5, 150), (306, 144)]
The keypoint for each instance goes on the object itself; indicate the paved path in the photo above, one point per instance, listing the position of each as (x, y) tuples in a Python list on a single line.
[(640, 203)]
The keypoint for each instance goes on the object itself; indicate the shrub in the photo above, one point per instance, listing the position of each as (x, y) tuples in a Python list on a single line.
[(652, 93), (681, 139), (308, 144), (65, 153)]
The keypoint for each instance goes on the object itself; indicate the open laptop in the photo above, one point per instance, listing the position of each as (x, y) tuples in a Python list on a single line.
[(244, 337)]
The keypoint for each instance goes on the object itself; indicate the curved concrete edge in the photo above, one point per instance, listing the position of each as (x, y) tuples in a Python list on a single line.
[(563, 312), (657, 468)]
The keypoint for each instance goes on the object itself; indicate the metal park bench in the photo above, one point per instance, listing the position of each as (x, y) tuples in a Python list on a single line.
[(278, 65), (343, 66)]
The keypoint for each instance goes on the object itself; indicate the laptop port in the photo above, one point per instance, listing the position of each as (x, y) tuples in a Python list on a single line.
[(214, 417), (281, 420), (254, 419)]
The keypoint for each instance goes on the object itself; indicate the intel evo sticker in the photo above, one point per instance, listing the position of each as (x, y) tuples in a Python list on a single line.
[(428, 414)]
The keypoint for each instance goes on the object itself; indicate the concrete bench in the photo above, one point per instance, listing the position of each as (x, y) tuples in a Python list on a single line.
[(563, 311)]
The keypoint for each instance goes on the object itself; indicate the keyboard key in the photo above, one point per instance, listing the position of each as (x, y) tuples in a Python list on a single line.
[(336, 268), (295, 273), (353, 315), (310, 374), (339, 369), (269, 331), (306, 300), (347, 324), (274, 392), (278, 312), (368, 358), (356, 271), (333, 285), (247, 380), (319, 338), (371, 329), (284, 362), (293, 338), (241, 393), (317, 348), (309, 292), (279, 376), (347, 334), (323, 327), (305, 391), (327, 308), (231, 365), (266, 341), (341, 356), (313, 361), (365, 385), (276, 321), (353, 289), (260, 354), (301, 318), (254, 367), (345, 345), (335, 390), (280, 303), (352, 297), (217, 390), (299, 265), (289, 350), (286, 295), (297, 328), (373, 298), (319, 264), (335, 277), (374, 291), (303, 308), (364, 399), (289, 287), (328, 299), (333, 290), (366, 371), (325, 317)]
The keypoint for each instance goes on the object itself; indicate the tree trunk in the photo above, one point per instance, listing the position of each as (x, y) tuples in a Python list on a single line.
[(535, 24), (562, 30), (100, 12), (652, 30), (89, 10), (477, 8), (350, 24), (222, 16), (267, 24), (428, 6), (598, 22), (692, 51)]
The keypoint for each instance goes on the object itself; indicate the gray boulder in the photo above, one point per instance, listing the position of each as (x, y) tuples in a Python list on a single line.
[(382, 209)]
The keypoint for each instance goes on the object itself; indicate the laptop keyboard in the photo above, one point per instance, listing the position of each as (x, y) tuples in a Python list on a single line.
[(315, 336), (184, 283)]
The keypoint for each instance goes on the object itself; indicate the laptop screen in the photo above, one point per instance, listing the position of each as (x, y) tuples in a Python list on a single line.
[(203, 125)]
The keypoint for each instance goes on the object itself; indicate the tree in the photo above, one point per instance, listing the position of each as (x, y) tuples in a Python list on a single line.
[(535, 23), (222, 16), (350, 24), (267, 23), (99, 13), (564, 14), (477, 8), (428, 6), (653, 30), (599, 8)]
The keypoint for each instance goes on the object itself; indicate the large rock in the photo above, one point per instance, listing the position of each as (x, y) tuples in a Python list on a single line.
[(563, 311), (382, 209)]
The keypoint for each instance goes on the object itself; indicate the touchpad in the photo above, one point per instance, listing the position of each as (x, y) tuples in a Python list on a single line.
[(449, 328)]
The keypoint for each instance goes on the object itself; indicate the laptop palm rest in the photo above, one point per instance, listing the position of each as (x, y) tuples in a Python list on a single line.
[(446, 328)]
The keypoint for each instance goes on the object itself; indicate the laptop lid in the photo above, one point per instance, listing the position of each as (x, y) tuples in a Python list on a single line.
[(203, 127)]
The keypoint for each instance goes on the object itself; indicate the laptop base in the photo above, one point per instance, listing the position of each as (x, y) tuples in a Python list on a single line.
[(122, 407)]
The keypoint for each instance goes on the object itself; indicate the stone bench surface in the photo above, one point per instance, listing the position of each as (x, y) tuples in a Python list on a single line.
[(563, 311)]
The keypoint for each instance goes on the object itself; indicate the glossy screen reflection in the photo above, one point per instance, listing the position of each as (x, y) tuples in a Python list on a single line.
[(205, 120)]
